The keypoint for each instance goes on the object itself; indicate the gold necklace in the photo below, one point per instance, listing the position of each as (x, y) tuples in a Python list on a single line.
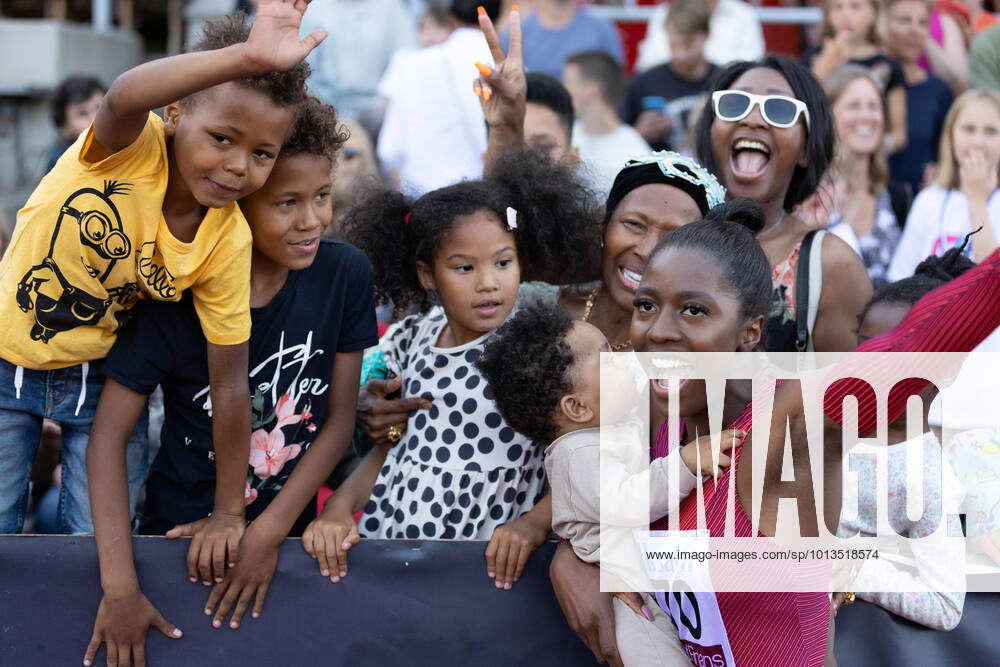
[(591, 300)]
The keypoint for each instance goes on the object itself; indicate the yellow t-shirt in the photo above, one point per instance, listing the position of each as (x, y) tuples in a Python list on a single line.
[(91, 241)]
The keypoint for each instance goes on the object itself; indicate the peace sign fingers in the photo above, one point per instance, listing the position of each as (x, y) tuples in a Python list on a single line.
[(492, 38)]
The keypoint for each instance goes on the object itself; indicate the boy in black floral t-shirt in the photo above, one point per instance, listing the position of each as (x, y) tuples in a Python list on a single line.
[(312, 316)]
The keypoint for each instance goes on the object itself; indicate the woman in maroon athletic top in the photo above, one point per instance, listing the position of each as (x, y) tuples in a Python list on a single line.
[(763, 628)]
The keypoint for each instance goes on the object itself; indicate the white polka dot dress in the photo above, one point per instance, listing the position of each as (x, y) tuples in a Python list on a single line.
[(459, 470)]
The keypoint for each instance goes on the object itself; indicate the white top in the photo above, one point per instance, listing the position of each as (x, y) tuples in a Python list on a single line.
[(734, 33), (603, 155), (575, 464), (877, 247), (434, 133), (932, 592), (459, 471), (975, 456), (938, 220), (375, 28)]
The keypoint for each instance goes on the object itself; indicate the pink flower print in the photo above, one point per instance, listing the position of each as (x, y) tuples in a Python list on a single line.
[(285, 412), (249, 494), (268, 452), (311, 428), (307, 413)]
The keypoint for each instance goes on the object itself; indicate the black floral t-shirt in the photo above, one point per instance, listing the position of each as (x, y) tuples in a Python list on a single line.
[(320, 311)]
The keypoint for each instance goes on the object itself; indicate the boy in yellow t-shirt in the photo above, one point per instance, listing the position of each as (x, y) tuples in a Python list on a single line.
[(143, 208)]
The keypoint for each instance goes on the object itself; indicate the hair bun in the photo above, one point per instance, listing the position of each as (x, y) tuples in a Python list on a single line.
[(740, 210)]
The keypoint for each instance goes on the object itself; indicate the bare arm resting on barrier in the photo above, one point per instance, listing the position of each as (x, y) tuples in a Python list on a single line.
[(251, 578), (511, 544), (330, 535), (125, 614)]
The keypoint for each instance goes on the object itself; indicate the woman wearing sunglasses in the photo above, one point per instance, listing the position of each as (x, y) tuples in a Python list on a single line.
[(767, 133)]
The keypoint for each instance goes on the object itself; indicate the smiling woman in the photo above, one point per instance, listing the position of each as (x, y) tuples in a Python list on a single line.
[(864, 207), (768, 135), (651, 197)]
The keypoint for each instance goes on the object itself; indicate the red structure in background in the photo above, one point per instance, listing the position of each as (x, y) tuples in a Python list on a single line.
[(779, 38)]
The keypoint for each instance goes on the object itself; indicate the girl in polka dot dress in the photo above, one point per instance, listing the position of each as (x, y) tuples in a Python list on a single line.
[(456, 257)]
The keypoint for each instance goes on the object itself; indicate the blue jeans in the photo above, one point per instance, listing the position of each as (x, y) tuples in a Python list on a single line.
[(68, 396)]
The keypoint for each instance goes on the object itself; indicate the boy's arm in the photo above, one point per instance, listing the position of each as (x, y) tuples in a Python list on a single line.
[(273, 45), (324, 453), (222, 531), (259, 547), (125, 614), (215, 540)]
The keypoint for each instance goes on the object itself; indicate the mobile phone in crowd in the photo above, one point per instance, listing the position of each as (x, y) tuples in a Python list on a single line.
[(655, 103)]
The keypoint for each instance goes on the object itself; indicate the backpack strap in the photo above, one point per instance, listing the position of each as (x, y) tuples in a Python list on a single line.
[(815, 281), (808, 288)]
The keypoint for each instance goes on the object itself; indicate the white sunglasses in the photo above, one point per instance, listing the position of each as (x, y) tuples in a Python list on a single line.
[(778, 110)]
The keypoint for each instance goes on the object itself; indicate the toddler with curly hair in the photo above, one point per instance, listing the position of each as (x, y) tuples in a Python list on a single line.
[(552, 393)]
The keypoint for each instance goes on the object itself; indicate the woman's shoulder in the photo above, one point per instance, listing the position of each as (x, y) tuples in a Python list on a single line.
[(840, 259), (931, 196)]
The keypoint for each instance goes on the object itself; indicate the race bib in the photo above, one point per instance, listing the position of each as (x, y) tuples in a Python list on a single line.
[(671, 559)]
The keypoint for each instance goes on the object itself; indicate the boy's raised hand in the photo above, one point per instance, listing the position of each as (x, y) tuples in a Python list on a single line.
[(215, 542), (274, 43), (328, 539), (503, 89)]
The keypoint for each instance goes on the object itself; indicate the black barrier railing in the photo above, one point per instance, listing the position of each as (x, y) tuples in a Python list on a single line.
[(403, 603)]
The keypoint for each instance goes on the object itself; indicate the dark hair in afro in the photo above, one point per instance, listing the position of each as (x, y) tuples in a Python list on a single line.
[(73, 90), (527, 365), (727, 235), (557, 235), (928, 276), (315, 131), (285, 89), (820, 136)]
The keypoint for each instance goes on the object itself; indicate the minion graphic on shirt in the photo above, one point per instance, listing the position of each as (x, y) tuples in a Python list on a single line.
[(90, 218)]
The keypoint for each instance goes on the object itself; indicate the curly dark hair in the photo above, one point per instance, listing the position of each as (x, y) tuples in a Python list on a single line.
[(547, 91), (557, 235), (73, 90), (928, 276), (820, 139), (315, 131), (727, 234), (527, 364), (285, 89)]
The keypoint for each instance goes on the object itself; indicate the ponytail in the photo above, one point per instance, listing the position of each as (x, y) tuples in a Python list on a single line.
[(379, 225)]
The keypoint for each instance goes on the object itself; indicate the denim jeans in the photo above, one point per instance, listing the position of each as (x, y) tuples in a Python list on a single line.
[(68, 396)]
